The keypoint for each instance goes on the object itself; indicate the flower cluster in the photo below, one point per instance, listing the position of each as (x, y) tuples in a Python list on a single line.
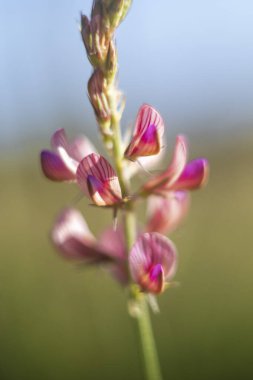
[(152, 260)]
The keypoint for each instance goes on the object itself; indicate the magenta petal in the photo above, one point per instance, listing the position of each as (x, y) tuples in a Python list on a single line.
[(54, 168), (166, 213), (147, 138), (156, 279), (98, 180), (155, 272), (151, 252), (147, 116), (74, 240), (195, 175)]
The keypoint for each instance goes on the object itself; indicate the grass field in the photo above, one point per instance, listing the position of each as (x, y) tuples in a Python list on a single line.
[(62, 322)]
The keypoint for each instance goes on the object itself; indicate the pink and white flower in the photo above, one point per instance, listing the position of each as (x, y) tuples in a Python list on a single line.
[(98, 180), (73, 239), (179, 175), (60, 163), (147, 136), (152, 261)]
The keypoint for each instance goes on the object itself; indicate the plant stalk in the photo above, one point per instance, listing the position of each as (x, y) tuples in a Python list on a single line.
[(150, 357), (147, 341)]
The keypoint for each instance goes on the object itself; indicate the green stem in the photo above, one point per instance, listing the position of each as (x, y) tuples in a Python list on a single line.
[(150, 357), (117, 150), (151, 363)]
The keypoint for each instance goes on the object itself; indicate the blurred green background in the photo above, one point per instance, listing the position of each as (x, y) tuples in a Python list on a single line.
[(61, 321)]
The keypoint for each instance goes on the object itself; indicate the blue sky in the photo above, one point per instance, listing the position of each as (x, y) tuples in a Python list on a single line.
[(191, 59)]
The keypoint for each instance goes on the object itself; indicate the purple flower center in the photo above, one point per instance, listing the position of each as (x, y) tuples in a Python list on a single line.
[(94, 185), (156, 272), (150, 135)]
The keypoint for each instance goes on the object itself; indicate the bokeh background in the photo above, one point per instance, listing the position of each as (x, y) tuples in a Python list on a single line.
[(193, 61)]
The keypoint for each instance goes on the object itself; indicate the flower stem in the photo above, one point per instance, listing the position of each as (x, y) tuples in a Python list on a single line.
[(151, 363), (98, 35), (150, 357)]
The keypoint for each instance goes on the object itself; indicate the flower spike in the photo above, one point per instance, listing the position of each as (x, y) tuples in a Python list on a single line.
[(153, 260), (60, 164), (98, 180), (148, 133)]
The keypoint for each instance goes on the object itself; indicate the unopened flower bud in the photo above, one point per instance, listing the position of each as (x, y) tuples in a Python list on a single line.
[(111, 61), (115, 11), (96, 38), (97, 8), (86, 32), (127, 5), (98, 97)]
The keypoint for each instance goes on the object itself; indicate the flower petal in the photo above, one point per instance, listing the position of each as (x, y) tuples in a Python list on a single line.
[(98, 180), (171, 174), (74, 240), (60, 144), (54, 168), (148, 132), (166, 213), (195, 175), (156, 279), (80, 148), (59, 140), (151, 251)]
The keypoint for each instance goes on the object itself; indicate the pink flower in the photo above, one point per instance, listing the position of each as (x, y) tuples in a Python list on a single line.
[(179, 175), (73, 239), (148, 133), (99, 181), (60, 163), (153, 261), (166, 213)]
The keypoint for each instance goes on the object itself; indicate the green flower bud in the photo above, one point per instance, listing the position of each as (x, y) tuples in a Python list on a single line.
[(111, 62)]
